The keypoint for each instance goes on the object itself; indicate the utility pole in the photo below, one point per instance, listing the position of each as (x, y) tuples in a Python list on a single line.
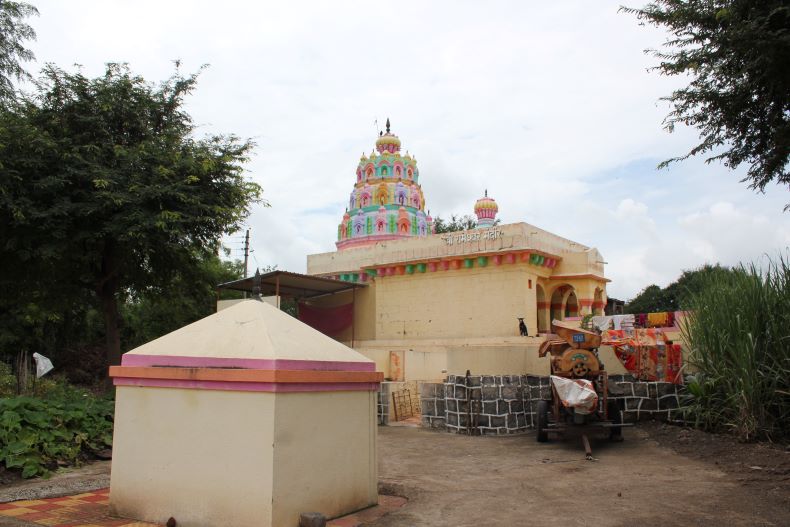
[(246, 254)]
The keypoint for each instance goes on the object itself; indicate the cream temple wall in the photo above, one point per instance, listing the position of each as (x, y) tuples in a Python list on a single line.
[(450, 302)]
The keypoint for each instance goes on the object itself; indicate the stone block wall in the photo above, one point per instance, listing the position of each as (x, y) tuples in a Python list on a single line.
[(646, 400), (383, 406), (432, 404), (506, 404)]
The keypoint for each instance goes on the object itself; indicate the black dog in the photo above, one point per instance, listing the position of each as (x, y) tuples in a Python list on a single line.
[(522, 328)]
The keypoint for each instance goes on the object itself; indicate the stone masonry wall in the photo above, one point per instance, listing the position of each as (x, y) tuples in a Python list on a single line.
[(506, 404), (646, 400)]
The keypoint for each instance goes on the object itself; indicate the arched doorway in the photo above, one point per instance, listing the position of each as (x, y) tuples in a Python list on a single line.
[(557, 311), (571, 305), (598, 303), (543, 311), (564, 303)]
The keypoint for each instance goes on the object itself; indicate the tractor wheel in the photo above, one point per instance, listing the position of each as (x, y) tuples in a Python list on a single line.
[(616, 417), (542, 419)]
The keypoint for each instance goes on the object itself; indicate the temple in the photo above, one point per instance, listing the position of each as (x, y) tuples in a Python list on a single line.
[(387, 202), (430, 304)]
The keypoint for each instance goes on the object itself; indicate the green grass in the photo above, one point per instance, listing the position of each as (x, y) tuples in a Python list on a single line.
[(738, 332)]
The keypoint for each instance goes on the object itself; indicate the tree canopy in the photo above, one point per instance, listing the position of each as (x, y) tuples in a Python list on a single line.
[(677, 295), (735, 53), (104, 189), (14, 31)]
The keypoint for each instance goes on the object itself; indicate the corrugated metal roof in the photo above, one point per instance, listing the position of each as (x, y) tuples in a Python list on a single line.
[(291, 285)]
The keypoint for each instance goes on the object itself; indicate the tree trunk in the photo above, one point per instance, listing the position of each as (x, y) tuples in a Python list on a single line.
[(112, 324), (106, 290)]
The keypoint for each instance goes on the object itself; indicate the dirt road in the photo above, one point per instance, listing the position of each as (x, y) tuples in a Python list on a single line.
[(454, 480)]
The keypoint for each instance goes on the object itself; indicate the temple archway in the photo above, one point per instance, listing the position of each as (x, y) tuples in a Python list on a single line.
[(570, 306), (556, 311), (564, 303), (598, 303)]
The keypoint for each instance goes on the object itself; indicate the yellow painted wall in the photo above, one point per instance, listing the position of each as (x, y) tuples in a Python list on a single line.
[(202, 457), (450, 321), (498, 360), (324, 455), (475, 302)]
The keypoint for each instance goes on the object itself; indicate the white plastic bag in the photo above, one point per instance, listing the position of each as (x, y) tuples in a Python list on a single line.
[(43, 365), (578, 394)]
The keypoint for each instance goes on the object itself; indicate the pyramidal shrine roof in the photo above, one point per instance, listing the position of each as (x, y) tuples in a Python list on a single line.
[(249, 334)]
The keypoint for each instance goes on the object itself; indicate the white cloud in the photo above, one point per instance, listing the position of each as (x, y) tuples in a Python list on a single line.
[(549, 106)]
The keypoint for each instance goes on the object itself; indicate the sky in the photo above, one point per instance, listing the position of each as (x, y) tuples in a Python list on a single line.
[(548, 105)]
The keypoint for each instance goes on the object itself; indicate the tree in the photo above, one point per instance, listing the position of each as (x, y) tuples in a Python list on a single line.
[(13, 34), (189, 296), (103, 187), (650, 300), (679, 294), (456, 223), (736, 54)]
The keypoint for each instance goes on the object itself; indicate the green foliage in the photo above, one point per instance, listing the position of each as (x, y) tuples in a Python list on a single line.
[(190, 296), (676, 296), (106, 194), (37, 435), (13, 34), (456, 223), (650, 300), (735, 53), (7, 381), (738, 331)]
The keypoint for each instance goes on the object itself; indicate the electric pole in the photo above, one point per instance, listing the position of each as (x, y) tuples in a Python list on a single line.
[(246, 255), (246, 251)]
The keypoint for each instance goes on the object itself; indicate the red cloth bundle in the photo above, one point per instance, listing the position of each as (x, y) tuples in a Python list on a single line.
[(328, 320)]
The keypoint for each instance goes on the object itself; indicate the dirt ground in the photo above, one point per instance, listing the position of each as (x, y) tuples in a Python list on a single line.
[(660, 475)]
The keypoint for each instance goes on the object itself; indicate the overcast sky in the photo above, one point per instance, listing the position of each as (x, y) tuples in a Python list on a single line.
[(548, 105)]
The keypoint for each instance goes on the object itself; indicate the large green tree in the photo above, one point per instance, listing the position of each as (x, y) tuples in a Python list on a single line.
[(104, 187), (14, 32), (735, 54), (679, 294)]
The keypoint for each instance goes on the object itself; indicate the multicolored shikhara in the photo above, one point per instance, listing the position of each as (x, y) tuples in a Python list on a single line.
[(387, 202)]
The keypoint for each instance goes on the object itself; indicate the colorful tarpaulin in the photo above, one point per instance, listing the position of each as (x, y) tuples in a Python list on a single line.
[(328, 320), (647, 354)]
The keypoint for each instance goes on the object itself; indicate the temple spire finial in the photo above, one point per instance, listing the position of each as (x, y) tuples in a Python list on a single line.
[(486, 192), (388, 125)]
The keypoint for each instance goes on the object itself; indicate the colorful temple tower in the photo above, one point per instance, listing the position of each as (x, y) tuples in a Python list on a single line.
[(387, 202), (486, 209)]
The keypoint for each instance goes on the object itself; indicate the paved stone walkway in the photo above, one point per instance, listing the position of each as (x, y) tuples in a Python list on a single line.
[(91, 509)]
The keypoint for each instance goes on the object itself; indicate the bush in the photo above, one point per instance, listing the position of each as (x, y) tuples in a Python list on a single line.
[(7, 381), (738, 333), (36, 435)]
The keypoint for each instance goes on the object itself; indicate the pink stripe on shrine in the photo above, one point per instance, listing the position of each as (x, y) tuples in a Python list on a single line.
[(248, 364), (249, 386)]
